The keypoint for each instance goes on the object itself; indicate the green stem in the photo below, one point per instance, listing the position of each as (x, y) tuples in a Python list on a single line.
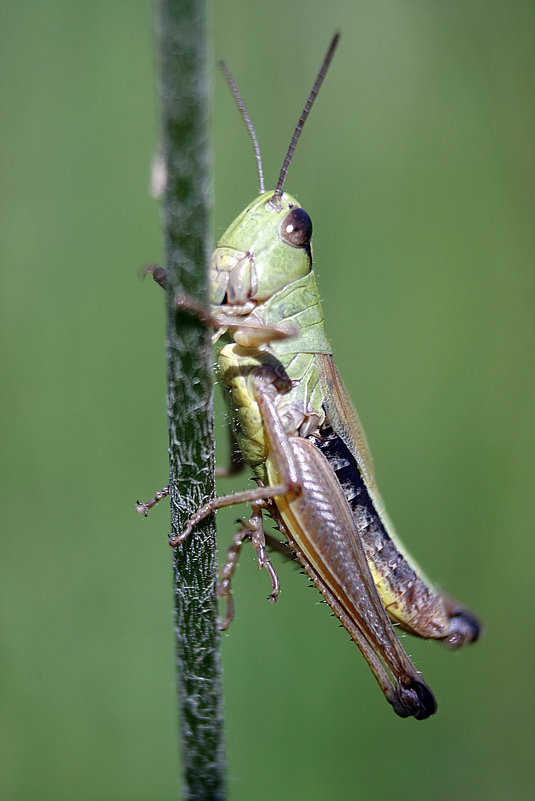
[(185, 91)]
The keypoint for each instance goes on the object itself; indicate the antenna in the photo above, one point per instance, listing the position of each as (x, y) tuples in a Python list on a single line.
[(246, 118), (306, 111)]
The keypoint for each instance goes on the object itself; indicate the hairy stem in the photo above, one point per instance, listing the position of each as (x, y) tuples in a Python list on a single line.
[(185, 93)]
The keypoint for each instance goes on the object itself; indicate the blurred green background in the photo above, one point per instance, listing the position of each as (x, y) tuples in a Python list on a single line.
[(417, 167)]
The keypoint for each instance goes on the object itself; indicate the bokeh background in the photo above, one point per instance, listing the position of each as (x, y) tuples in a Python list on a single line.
[(417, 167)]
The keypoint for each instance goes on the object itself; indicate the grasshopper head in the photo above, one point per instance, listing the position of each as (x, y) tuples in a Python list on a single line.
[(264, 249), (268, 246)]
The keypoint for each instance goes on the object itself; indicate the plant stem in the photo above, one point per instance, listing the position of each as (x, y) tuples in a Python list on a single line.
[(185, 92)]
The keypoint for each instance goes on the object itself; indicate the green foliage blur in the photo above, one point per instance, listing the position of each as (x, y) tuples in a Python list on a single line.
[(417, 167)]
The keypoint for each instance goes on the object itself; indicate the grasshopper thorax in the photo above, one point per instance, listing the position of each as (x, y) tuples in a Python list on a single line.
[(262, 251)]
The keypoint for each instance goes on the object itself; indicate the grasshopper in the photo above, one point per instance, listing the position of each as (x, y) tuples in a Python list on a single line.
[(297, 429)]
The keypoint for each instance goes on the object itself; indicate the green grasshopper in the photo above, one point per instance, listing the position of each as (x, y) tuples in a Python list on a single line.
[(298, 430)]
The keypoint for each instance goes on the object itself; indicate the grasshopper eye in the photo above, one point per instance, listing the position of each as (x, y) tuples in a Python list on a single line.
[(296, 228)]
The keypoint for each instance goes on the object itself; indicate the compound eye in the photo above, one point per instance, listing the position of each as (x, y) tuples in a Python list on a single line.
[(296, 228)]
